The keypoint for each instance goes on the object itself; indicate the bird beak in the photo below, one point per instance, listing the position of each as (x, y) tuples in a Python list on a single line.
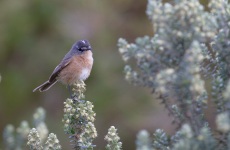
[(87, 48)]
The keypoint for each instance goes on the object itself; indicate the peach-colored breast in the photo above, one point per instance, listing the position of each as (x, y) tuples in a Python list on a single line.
[(79, 68)]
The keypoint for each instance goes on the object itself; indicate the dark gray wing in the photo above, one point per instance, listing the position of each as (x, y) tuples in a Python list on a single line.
[(65, 62)]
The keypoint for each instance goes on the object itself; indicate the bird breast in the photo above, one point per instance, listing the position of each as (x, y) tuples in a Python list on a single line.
[(79, 68)]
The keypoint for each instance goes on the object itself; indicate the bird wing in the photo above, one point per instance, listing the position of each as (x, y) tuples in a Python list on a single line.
[(65, 62)]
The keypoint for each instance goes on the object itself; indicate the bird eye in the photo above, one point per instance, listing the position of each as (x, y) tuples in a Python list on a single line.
[(81, 49)]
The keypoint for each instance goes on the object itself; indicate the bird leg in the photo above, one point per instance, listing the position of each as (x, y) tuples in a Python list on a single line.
[(69, 89)]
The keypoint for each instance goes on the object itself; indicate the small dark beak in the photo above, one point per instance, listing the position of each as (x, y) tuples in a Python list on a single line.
[(87, 48)]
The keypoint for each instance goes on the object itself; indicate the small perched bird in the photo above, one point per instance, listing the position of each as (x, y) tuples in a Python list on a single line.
[(76, 65)]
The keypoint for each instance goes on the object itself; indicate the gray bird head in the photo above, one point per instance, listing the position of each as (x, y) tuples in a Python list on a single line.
[(82, 45)]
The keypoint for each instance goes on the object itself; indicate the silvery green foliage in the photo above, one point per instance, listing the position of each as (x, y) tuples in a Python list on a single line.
[(189, 141), (8, 137), (16, 139), (23, 135), (160, 140), (113, 140), (188, 42), (143, 141), (220, 56), (52, 143), (169, 62), (223, 122), (79, 119), (39, 118), (37, 138), (34, 140)]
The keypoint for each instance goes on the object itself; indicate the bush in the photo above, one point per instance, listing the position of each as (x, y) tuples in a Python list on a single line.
[(190, 49)]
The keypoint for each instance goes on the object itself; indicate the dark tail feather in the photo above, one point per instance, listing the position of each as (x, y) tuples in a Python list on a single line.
[(45, 86)]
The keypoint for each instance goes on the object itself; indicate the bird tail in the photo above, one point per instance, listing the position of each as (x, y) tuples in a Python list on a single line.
[(45, 86)]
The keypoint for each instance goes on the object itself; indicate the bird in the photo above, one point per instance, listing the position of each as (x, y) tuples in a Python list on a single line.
[(75, 66)]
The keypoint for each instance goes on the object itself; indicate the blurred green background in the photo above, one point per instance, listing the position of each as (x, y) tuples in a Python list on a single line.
[(34, 37)]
